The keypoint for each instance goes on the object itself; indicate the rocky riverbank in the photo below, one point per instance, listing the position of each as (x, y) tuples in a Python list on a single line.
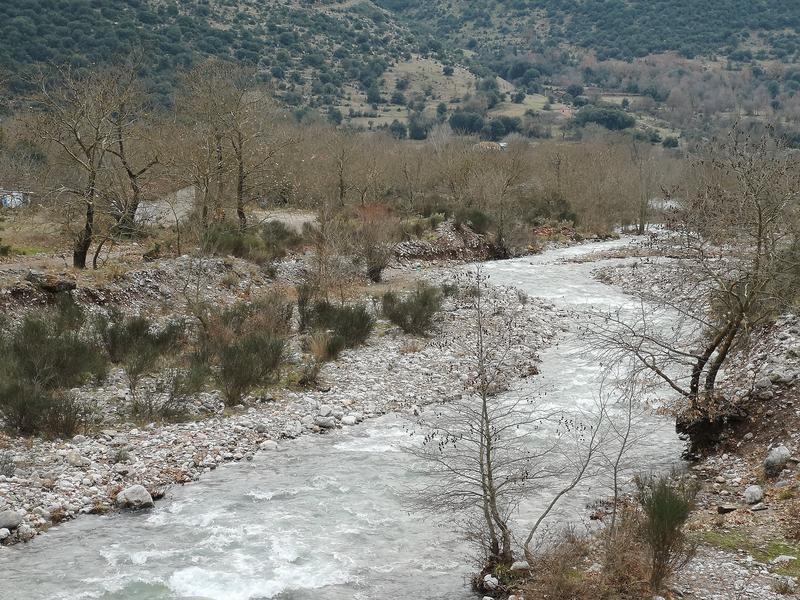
[(748, 511), (121, 464)]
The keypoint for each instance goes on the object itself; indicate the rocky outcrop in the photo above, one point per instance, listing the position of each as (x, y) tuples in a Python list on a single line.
[(51, 282)]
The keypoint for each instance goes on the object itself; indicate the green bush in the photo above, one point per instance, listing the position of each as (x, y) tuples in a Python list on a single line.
[(249, 361), (137, 345), (477, 220), (305, 309), (43, 357), (242, 347), (666, 501), (414, 313), (352, 324), (267, 244)]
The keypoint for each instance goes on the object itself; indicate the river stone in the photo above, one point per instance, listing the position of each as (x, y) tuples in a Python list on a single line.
[(349, 420), (325, 411), (10, 519), (763, 384), (292, 429), (325, 422), (76, 460), (134, 497), (776, 460), (269, 445), (26, 532), (753, 494), (4, 533), (490, 582)]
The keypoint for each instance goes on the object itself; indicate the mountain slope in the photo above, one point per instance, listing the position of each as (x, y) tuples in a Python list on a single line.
[(309, 50), (621, 29)]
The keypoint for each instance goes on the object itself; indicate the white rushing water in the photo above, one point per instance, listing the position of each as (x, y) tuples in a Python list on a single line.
[(325, 517)]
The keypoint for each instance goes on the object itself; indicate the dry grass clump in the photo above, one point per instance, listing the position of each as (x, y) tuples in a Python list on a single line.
[(592, 567)]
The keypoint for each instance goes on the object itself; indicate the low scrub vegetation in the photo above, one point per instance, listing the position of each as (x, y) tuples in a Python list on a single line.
[(638, 555), (414, 313), (242, 347), (666, 503), (139, 346), (261, 245), (45, 356), (349, 325)]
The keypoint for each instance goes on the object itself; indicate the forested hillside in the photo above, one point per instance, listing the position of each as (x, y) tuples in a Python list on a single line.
[(303, 48), (492, 68), (620, 29)]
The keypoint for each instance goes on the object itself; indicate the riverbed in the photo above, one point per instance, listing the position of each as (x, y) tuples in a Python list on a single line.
[(325, 517)]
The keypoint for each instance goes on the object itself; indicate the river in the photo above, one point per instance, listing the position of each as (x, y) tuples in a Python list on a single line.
[(325, 517)]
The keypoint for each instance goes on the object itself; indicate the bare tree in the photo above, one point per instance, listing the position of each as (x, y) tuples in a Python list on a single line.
[(734, 239), (205, 101), (75, 113), (488, 451)]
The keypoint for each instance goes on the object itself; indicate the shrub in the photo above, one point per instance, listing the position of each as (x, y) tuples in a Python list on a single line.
[(137, 345), (376, 232), (325, 346), (247, 362), (262, 246), (414, 313), (305, 297), (352, 324), (477, 220), (278, 238), (242, 347), (666, 501), (44, 356)]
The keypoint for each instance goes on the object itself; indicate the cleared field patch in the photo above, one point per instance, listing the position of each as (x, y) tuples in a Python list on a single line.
[(427, 75)]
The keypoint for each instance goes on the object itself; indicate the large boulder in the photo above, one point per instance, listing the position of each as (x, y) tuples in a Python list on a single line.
[(753, 494), (134, 497), (10, 519), (776, 460)]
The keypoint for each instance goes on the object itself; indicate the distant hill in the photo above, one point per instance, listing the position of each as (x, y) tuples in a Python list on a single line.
[(618, 29), (308, 50)]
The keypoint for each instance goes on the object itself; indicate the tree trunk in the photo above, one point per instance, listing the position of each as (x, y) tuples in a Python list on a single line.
[(126, 222), (219, 211), (722, 354), (702, 360), (83, 241), (240, 181)]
